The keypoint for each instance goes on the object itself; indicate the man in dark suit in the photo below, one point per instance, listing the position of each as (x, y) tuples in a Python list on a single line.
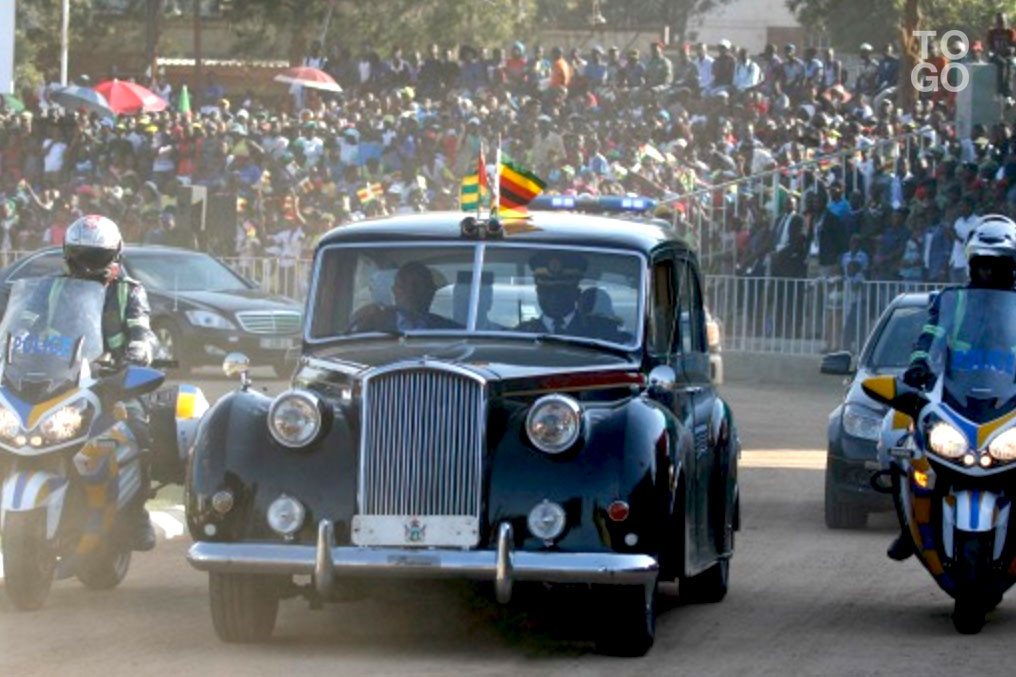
[(557, 276), (413, 291)]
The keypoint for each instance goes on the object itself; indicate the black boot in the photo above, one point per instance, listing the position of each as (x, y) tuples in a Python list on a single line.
[(901, 548)]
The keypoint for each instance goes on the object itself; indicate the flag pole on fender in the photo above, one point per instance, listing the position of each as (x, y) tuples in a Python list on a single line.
[(495, 203), (483, 185)]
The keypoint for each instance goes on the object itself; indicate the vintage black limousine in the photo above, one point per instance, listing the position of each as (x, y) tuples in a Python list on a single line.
[(526, 401)]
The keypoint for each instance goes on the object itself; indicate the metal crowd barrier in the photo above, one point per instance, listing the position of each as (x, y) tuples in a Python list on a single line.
[(799, 316), (709, 217)]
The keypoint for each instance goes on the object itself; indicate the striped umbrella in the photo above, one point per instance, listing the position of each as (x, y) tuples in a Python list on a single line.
[(129, 97), (73, 97), (305, 76)]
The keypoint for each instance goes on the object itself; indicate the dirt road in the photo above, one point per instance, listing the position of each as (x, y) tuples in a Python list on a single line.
[(803, 601)]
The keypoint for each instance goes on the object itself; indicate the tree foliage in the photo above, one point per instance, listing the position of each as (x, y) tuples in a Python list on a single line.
[(37, 36), (627, 14), (272, 27), (847, 23)]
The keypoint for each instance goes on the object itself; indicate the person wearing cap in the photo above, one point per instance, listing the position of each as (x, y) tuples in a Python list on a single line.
[(867, 70), (557, 276), (723, 67), (659, 69)]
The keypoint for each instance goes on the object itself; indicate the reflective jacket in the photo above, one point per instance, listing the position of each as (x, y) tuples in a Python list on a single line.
[(125, 317)]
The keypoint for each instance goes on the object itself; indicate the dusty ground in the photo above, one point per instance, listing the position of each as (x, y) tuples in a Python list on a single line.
[(804, 601)]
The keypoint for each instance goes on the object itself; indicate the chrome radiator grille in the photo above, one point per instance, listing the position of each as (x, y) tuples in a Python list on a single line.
[(270, 321), (422, 443)]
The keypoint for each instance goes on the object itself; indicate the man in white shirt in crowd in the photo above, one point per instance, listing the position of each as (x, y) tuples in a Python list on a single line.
[(961, 230), (747, 73), (704, 64)]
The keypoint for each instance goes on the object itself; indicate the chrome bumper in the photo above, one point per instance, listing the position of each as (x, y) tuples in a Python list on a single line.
[(503, 565)]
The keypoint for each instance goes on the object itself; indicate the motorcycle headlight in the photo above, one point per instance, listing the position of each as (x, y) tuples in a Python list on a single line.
[(64, 424), (553, 423), (861, 422), (294, 419), (947, 441), (208, 320), (10, 424), (1003, 447)]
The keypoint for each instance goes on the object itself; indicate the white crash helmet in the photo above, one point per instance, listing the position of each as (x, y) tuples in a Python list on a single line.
[(92, 245), (994, 235)]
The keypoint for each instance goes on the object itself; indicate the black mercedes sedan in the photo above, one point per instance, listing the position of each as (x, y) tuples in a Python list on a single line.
[(856, 425), (201, 309)]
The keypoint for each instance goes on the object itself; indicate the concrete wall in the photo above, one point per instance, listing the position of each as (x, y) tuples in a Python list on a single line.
[(776, 369), (746, 23)]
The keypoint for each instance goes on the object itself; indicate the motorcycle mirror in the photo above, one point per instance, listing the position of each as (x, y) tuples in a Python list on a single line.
[(888, 391)]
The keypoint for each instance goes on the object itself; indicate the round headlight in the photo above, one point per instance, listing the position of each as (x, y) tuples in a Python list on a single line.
[(10, 425), (285, 515), (553, 423), (1003, 447), (947, 441), (294, 419), (63, 424)]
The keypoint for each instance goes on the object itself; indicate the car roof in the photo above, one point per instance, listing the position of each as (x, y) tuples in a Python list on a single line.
[(127, 249), (564, 228)]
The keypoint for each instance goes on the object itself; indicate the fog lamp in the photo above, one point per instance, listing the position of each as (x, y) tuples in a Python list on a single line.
[(285, 515), (222, 501), (546, 520)]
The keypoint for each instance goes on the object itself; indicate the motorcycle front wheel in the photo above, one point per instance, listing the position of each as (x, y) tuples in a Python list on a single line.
[(29, 559), (105, 568)]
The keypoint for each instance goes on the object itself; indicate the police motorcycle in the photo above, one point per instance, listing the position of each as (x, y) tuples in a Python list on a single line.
[(953, 477), (69, 461)]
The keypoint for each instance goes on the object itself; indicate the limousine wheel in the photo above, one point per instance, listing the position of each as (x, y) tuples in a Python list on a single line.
[(244, 606)]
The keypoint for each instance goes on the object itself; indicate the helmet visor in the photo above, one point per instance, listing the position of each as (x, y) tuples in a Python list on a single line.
[(89, 259)]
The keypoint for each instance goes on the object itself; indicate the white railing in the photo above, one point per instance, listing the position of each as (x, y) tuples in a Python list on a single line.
[(798, 316), (285, 277), (711, 214)]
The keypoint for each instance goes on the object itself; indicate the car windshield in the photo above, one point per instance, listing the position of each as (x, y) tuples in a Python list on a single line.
[(182, 271), (520, 290), (895, 342)]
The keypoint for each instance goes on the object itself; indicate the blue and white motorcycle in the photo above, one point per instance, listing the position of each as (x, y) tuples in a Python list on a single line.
[(69, 462)]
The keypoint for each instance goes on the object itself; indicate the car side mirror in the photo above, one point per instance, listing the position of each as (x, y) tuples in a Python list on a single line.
[(662, 381), (837, 363), (237, 364)]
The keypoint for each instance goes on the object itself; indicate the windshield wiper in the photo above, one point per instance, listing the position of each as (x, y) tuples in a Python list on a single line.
[(581, 342)]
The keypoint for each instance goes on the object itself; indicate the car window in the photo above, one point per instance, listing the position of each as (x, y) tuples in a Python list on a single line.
[(662, 319), (40, 266), (692, 331), (182, 271), (894, 344)]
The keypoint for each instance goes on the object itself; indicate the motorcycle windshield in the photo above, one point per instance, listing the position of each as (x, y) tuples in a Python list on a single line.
[(975, 350), (51, 324)]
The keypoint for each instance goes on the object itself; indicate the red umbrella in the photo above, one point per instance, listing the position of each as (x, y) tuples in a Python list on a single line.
[(305, 76), (129, 97)]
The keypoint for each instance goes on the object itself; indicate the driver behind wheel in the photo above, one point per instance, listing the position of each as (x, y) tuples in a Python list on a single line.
[(92, 251)]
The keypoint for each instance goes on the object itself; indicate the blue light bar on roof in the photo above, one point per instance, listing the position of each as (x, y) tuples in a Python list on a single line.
[(595, 205)]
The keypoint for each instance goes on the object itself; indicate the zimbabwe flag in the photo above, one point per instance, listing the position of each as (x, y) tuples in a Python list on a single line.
[(369, 192), (517, 187)]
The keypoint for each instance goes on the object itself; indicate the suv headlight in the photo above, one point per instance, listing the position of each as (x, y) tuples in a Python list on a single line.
[(208, 320), (65, 423), (294, 419), (10, 424), (554, 423), (1003, 447), (861, 422), (945, 440)]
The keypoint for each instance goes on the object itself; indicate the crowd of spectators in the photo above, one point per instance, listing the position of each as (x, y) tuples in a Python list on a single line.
[(863, 188)]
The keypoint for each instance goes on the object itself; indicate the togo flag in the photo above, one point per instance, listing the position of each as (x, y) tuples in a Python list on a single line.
[(471, 193), (369, 192)]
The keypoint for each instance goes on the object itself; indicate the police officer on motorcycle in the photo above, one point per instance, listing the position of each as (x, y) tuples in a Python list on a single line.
[(92, 251), (991, 263)]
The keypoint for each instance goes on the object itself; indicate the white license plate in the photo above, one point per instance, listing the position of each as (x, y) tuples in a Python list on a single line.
[(274, 343), (416, 531)]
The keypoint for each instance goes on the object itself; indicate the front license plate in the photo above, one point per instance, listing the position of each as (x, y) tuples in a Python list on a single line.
[(276, 343), (416, 531)]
